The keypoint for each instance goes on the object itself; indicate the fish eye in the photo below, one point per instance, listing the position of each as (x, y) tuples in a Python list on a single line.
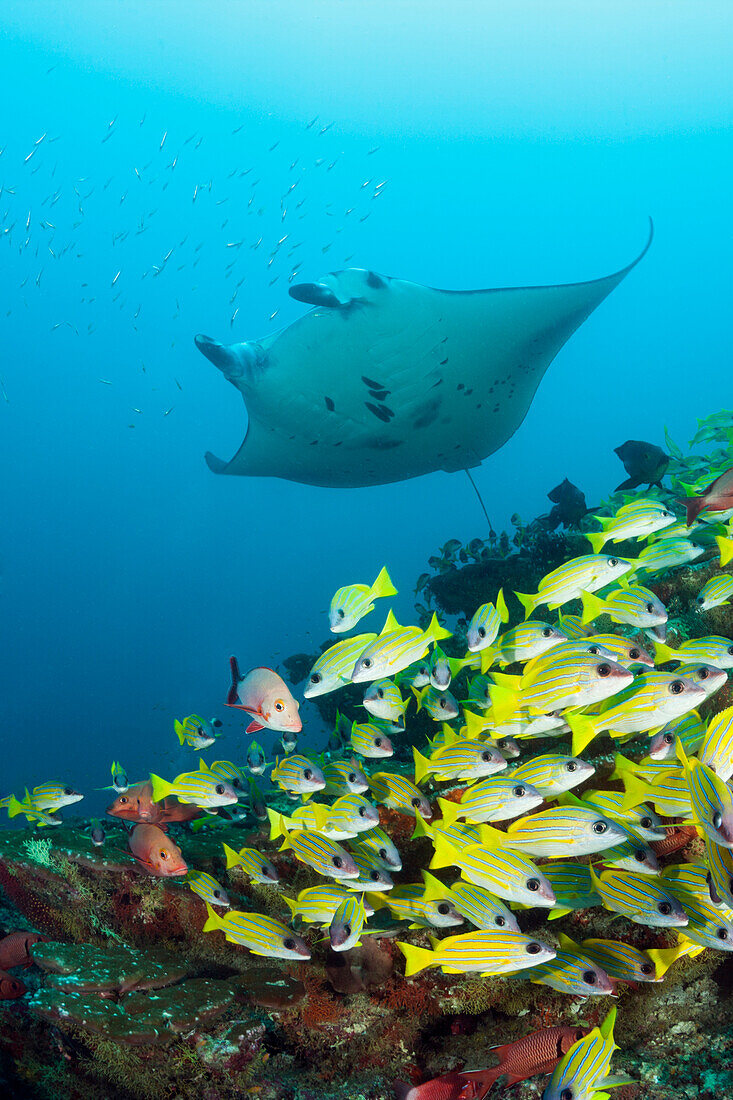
[(289, 943), (366, 663), (533, 948), (500, 922), (533, 884), (668, 738), (650, 608), (68, 790), (444, 908), (486, 756), (378, 742), (613, 562), (604, 670), (571, 766), (600, 827), (416, 802), (676, 687), (703, 673), (481, 632), (163, 854), (722, 933), (634, 653), (217, 893), (519, 791), (639, 855), (337, 861), (279, 705), (362, 812), (351, 777), (374, 876), (589, 977), (219, 788), (382, 853), (700, 600), (307, 774), (664, 908), (123, 800), (340, 612), (566, 1094), (316, 678), (730, 650), (347, 929), (646, 968), (547, 632), (380, 693), (594, 649), (717, 819)]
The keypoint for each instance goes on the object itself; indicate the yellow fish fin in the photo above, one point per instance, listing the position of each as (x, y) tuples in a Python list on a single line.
[(161, 788), (435, 632), (450, 810), (214, 921), (597, 539), (422, 766), (593, 607), (584, 731), (416, 958), (382, 586), (528, 602), (501, 606)]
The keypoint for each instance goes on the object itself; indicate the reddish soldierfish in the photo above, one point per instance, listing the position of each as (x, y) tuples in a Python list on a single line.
[(10, 988), (15, 949), (156, 852), (718, 497), (266, 696)]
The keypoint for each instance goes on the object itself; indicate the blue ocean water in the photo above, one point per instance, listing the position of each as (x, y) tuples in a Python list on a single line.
[(146, 149)]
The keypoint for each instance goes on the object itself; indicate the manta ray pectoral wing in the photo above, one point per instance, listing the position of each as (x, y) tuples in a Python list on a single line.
[(314, 294)]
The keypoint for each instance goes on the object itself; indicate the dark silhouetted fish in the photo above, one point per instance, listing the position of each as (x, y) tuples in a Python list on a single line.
[(645, 463), (569, 505)]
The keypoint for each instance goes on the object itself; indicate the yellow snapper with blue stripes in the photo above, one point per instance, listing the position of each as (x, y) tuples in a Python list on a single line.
[(572, 887), (690, 879), (399, 793), (349, 815), (253, 863), (572, 626), (715, 593), (396, 648), (480, 907), (345, 777), (442, 668), (199, 788), (642, 898), (709, 926), (651, 700), (558, 831), (482, 952), (427, 904), (668, 793), (690, 730), (560, 678), (497, 798), (370, 740), (509, 875), (584, 574), (347, 924), (382, 699), (719, 860), (354, 601), (438, 702), (297, 774), (462, 759), (632, 855), (324, 856), (261, 935), (228, 771), (711, 800), (42, 818), (641, 821), (708, 677), (317, 904), (373, 875), (635, 520), (256, 761), (530, 639), (583, 1072), (712, 650), (626, 651), (552, 774), (120, 781), (380, 847), (486, 623), (196, 731), (333, 668), (54, 796), (208, 888), (571, 972), (667, 554), (631, 604), (627, 963), (716, 749)]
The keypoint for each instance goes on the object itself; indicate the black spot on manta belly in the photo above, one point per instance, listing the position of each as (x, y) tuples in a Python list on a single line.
[(371, 384), (380, 395), (329, 404), (380, 411), (375, 281)]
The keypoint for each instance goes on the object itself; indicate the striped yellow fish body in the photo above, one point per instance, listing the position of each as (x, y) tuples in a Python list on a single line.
[(572, 886), (380, 847), (583, 1070), (345, 777), (626, 651), (478, 692), (354, 601), (708, 677), (439, 703), (416, 675), (297, 774), (482, 952), (572, 972), (584, 574), (382, 699), (641, 898), (712, 650), (228, 771), (333, 668), (530, 639), (463, 759), (553, 774), (42, 818), (709, 926), (347, 923), (317, 904), (208, 888), (197, 732), (481, 908), (716, 750), (486, 623), (261, 935), (426, 904), (627, 963), (719, 860), (508, 875), (632, 604), (351, 814), (253, 863), (711, 799), (652, 699), (524, 726), (667, 554), (689, 729), (639, 820), (498, 798), (323, 855), (442, 668), (370, 741), (688, 880), (396, 648), (399, 793), (373, 875), (632, 855), (669, 794), (715, 593), (54, 796), (562, 830), (573, 626), (636, 520), (196, 788), (560, 678)]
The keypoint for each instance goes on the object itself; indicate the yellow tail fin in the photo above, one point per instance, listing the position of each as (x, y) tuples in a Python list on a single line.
[(593, 607), (161, 788), (214, 921), (725, 545), (451, 811), (584, 730), (435, 632), (528, 602), (233, 858), (422, 766), (445, 853), (597, 539), (416, 958), (434, 888), (178, 727), (501, 606), (382, 586)]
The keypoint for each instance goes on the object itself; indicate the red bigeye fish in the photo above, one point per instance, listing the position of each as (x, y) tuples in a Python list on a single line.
[(156, 852), (15, 949), (538, 1052), (10, 988), (264, 695), (136, 804), (718, 497)]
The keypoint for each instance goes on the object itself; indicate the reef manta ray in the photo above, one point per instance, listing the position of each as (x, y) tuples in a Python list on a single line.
[(385, 379)]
